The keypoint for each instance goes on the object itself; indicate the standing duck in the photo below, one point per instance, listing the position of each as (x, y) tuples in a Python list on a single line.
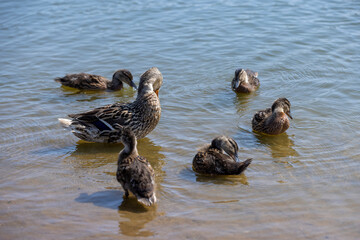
[(141, 116), (245, 81), (220, 158), (85, 81), (273, 120), (134, 172)]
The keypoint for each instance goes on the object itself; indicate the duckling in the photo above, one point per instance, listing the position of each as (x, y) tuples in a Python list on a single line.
[(245, 81), (141, 116), (273, 120), (87, 81), (220, 157), (134, 172)]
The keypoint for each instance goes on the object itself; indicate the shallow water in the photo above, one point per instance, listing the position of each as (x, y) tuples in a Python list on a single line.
[(303, 184)]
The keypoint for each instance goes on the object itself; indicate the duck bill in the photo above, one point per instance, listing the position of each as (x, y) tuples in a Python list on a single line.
[(157, 92), (288, 113), (235, 83), (132, 84)]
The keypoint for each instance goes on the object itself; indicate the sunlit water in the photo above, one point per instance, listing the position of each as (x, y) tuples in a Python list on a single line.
[(304, 184)]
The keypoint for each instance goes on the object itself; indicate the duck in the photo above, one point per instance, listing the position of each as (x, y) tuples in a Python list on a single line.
[(85, 81), (219, 158), (245, 81), (274, 120), (140, 116), (134, 172)]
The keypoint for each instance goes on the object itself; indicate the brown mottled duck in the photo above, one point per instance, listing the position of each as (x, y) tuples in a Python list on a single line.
[(245, 81), (273, 120), (141, 116), (85, 81), (134, 172), (219, 158)]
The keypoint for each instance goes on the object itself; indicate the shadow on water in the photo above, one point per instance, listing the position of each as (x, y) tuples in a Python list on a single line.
[(136, 214), (279, 145), (190, 175)]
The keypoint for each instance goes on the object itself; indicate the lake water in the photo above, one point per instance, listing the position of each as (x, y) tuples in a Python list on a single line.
[(303, 184)]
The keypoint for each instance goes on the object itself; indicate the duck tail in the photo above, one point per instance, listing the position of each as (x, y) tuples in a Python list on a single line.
[(58, 79), (148, 201), (65, 122), (243, 165)]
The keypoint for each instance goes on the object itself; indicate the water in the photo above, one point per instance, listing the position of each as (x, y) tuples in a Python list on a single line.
[(303, 184)]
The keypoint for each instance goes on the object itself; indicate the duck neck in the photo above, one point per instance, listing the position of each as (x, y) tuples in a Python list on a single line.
[(130, 150), (278, 110), (115, 85), (144, 89), (244, 78)]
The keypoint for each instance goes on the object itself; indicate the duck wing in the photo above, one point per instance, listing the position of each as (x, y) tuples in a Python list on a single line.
[(251, 73), (83, 81), (204, 162), (140, 177), (118, 113), (260, 116), (214, 162), (253, 80)]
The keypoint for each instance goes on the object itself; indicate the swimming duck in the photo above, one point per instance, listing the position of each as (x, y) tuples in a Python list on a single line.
[(134, 172), (245, 81), (220, 157), (141, 116), (95, 82), (273, 120)]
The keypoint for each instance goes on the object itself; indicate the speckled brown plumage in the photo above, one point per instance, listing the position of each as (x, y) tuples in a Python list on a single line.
[(273, 120), (219, 158), (141, 116), (134, 172), (245, 81), (87, 81)]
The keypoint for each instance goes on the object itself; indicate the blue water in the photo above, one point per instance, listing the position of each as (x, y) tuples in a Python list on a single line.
[(303, 184)]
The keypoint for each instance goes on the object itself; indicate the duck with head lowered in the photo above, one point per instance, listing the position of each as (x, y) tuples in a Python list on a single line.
[(219, 158), (140, 116), (274, 120), (245, 81), (85, 81), (134, 172)]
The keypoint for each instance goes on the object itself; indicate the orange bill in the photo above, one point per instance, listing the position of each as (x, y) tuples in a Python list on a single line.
[(157, 92)]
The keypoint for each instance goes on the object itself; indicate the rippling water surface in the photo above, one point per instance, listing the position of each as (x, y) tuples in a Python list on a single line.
[(304, 184)]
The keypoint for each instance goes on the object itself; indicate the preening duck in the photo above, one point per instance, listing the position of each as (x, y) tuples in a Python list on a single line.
[(140, 116), (220, 158), (134, 172), (87, 81), (245, 81), (273, 120)]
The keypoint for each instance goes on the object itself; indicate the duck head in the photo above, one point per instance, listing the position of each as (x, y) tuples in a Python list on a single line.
[(240, 78), (151, 80), (120, 76), (227, 145), (282, 105)]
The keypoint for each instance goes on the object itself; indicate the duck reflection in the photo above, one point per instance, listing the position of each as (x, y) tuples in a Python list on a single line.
[(222, 180), (279, 145), (242, 100), (137, 217), (189, 174), (125, 92)]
